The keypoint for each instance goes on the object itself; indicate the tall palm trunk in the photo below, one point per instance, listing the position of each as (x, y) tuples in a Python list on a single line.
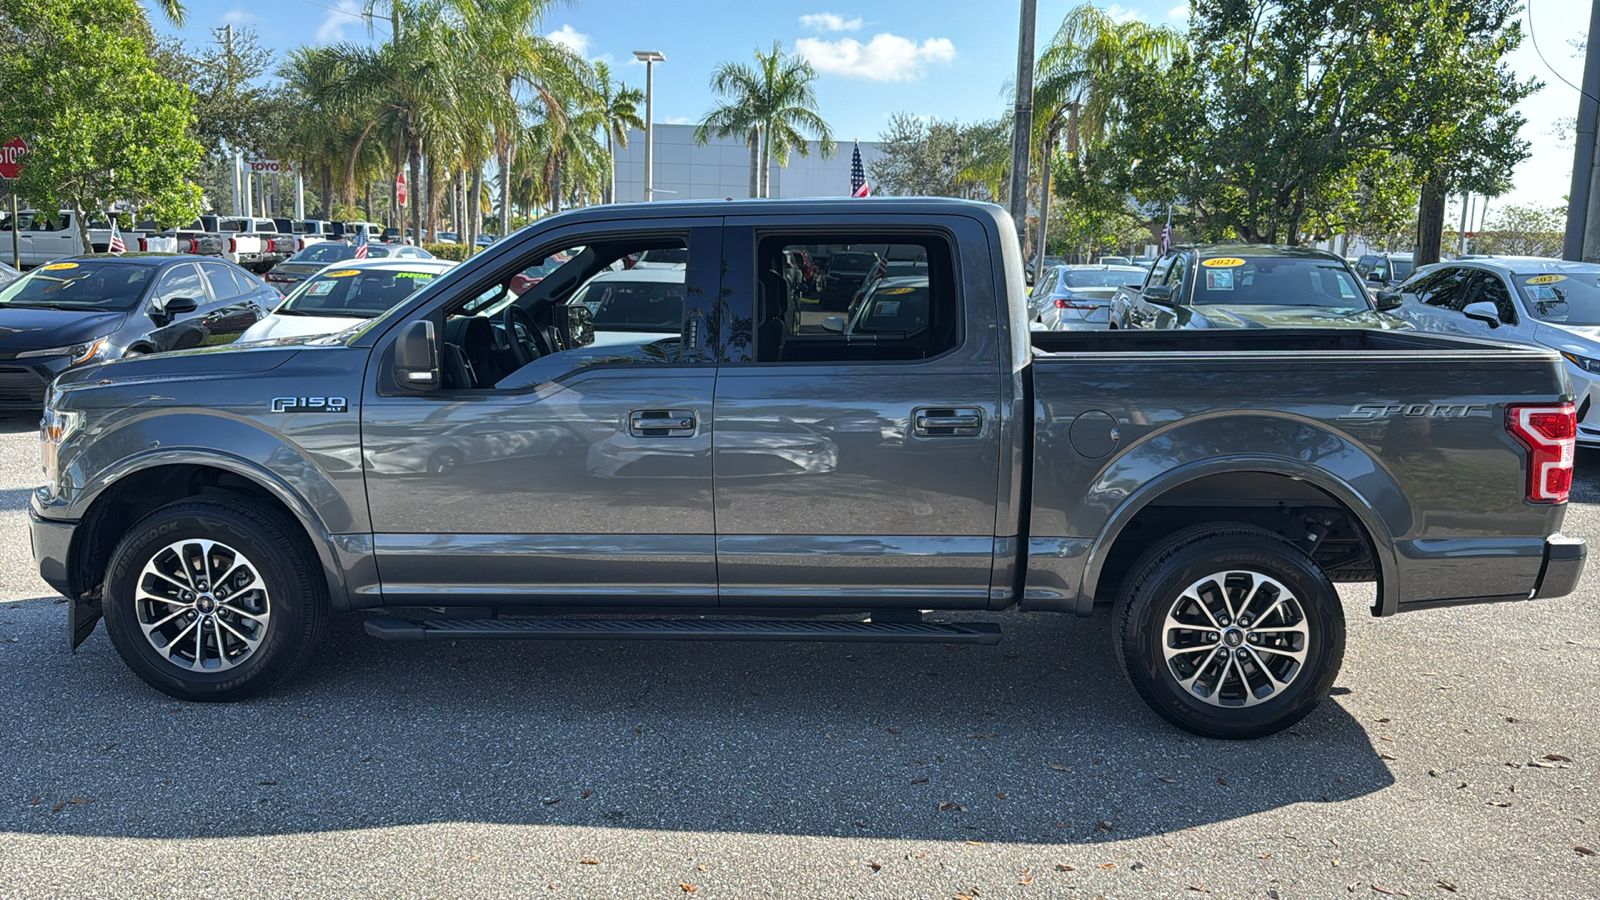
[(415, 185), (325, 177), (1046, 148), (766, 161), (474, 210), (610, 193), (508, 152), (755, 163), (555, 184)]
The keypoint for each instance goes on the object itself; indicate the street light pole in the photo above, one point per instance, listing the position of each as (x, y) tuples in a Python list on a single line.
[(1022, 137), (649, 58)]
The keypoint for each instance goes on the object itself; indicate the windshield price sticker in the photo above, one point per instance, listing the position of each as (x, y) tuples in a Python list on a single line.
[(342, 273), (1219, 279), (56, 267), (1545, 279), (898, 290), (1223, 262), (320, 288)]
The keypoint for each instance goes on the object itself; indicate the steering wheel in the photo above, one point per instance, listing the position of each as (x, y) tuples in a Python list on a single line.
[(510, 319)]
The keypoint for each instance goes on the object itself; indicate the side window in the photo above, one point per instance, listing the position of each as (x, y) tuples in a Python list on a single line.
[(180, 281), (882, 298), (1044, 282), (1176, 276), (1491, 289), (1158, 275), (1444, 289), (223, 287)]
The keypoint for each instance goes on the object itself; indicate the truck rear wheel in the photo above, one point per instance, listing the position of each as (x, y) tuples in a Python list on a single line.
[(215, 599), (1229, 631)]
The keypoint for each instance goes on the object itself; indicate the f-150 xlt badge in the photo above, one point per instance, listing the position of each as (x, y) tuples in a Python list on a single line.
[(310, 404), (1416, 410)]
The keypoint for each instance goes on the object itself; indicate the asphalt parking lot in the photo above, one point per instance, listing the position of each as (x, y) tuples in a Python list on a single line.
[(1458, 757)]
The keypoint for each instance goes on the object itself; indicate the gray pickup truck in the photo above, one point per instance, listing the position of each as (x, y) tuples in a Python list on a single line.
[(686, 452)]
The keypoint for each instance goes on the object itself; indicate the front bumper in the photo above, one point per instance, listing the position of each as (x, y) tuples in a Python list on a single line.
[(24, 382), (52, 546)]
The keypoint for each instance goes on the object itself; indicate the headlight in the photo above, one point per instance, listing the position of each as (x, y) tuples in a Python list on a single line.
[(54, 429), (77, 353), (1584, 362)]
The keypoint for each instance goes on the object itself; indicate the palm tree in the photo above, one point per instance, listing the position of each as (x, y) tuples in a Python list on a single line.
[(567, 156), (1072, 90), (618, 107), (774, 105)]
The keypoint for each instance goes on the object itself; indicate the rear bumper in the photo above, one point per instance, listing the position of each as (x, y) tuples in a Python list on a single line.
[(1560, 569)]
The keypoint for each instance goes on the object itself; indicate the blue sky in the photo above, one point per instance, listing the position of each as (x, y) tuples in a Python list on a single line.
[(944, 58)]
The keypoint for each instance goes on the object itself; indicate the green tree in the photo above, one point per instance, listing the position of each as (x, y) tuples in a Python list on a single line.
[(1526, 229), (618, 108), (774, 105), (934, 158), (101, 124)]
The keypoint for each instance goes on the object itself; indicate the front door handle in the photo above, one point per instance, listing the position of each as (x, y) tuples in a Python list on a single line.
[(947, 421), (662, 423)]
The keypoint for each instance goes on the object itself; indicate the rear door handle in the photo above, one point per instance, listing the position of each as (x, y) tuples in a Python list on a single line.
[(662, 423), (946, 421)]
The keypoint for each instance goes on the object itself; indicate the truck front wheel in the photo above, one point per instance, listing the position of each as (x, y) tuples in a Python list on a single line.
[(215, 599), (1229, 631)]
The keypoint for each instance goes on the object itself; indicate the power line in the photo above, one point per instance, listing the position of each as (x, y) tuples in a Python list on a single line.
[(1546, 62), (365, 17)]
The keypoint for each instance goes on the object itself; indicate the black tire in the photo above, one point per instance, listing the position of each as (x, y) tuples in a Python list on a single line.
[(1262, 690), (444, 462), (279, 584)]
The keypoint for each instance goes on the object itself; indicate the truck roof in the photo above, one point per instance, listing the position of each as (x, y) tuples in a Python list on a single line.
[(1246, 250), (876, 206)]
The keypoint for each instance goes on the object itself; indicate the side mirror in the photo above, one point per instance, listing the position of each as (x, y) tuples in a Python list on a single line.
[(1484, 312), (1159, 294), (1387, 300), (576, 324), (834, 324), (416, 357), (179, 305), (1375, 277)]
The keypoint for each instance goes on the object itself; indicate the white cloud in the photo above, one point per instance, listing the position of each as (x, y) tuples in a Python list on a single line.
[(1179, 12), (1121, 13), (830, 22), (238, 16), (575, 40), (343, 14), (887, 57), (675, 120)]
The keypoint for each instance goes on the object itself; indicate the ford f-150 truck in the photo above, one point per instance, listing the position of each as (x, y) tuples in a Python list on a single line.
[(694, 456)]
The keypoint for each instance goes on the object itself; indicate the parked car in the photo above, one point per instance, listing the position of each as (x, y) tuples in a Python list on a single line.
[(346, 294), (1250, 286), (94, 307), (347, 231), (1218, 484), (847, 271), (8, 274), (1385, 269), (485, 240), (392, 236), (1049, 261), (1079, 297), (196, 240), (1115, 261), (249, 242), (1532, 301), (446, 237), (891, 306), (43, 238), (285, 275)]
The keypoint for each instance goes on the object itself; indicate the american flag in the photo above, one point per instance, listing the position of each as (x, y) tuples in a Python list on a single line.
[(1166, 233), (116, 245), (858, 175), (361, 244)]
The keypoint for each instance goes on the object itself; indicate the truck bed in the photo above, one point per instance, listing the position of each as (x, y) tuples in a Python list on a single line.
[(1279, 340)]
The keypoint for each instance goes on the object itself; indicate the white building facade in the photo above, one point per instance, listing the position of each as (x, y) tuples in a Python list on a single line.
[(721, 169)]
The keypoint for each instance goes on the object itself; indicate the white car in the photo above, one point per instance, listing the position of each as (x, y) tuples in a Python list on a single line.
[(345, 294), (1527, 300)]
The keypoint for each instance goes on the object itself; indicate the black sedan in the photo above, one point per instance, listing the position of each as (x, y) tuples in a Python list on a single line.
[(97, 307), (297, 268)]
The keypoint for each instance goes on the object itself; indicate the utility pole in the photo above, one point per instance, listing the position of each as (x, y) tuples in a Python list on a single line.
[(1466, 215), (649, 58), (1583, 203), (1022, 136)]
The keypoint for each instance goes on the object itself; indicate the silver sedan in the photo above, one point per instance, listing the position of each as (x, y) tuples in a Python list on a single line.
[(1078, 298)]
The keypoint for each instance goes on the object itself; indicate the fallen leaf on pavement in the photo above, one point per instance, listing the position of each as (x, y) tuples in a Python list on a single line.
[(1387, 755), (1103, 825), (975, 843), (587, 794), (982, 735), (1583, 851), (1108, 865), (589, 862), (951, 804), (1556, 757), (1446, 885), (1165, 780), (703, 867), (688, 888), (1000, 794), (267, 783), (36, 801), (1027, 879), (81, 800), (919, 781), (58, 806), (874, 864), (1063, 867), (1057, 766), (1222, 781)]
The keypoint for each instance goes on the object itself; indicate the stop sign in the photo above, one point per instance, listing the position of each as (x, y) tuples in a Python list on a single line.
[(399, 188), (11, 153)]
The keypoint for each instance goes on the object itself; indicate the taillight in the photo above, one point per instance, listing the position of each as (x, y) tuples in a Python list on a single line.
[(1064, 303), (233, 245), (142, 246), (194, 245), (270, 247), (1551, 435)]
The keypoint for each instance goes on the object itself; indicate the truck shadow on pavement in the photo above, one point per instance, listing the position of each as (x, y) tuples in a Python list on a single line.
[(1038, 740)]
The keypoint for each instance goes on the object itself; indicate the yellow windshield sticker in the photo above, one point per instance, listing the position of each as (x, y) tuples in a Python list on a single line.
[(1222, 262), (342, 273), (423, 275), (1545, 279), (898, 290), (56, 267)]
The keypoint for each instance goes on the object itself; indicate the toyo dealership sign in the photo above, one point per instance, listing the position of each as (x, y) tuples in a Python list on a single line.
[(11, 154), (270, 166)]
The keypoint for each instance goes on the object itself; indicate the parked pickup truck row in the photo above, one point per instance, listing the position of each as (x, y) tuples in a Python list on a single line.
[(683, 454), (257, 244)]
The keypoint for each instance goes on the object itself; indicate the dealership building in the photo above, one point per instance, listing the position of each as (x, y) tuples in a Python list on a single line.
[(721, 169)]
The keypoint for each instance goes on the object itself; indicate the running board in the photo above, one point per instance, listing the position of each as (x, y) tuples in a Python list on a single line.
[(390, 628)]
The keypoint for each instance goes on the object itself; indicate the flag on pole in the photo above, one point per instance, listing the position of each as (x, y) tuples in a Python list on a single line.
[(361, 244), (858, 176), (1166, 233), (116, 244)]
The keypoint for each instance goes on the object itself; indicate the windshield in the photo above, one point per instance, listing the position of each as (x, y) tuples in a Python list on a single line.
[(109, 285), (669, 256), (355, 293), (1402, 269), (898, 308), (852, 262), (1087, 278), (1269, 281), (634, 305), (1572, 298)]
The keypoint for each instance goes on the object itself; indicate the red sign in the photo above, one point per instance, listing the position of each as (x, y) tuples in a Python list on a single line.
[(400, 188), (264, 166), (11, 154)]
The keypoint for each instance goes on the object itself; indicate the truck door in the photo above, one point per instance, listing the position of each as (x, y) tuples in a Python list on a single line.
[(857, 455), (581, 477)]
